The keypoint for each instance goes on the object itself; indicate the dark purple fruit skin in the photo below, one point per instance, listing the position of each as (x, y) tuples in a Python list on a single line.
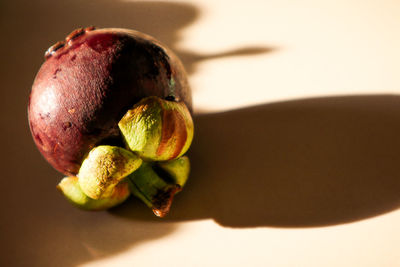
[(88, 82)]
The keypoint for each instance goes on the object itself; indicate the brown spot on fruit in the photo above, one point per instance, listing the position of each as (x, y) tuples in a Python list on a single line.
[(38, 139), (55, 148), (66, 125)]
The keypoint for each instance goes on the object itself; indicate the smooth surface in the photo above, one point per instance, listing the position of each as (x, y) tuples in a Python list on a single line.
[(295, 157)]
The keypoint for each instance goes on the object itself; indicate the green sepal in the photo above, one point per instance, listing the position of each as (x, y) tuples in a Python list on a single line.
[(157, 129), (69, 187), (177, 169), (104, 168)]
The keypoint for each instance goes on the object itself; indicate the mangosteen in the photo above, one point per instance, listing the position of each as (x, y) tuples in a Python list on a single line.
[(111, 107)]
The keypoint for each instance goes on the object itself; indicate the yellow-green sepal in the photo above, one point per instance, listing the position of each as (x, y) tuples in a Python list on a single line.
[(69, 186), (157, 129), (104, 168), (178, 169)]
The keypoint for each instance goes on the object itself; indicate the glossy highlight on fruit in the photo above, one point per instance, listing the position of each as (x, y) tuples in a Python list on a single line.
[(87, 84)]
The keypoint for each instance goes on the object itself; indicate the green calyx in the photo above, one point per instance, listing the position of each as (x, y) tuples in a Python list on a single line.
[(104, 168), (157, 133), (157, 129), (70, 188)]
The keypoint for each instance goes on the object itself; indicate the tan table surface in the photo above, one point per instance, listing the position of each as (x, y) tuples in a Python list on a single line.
[(296, 154)]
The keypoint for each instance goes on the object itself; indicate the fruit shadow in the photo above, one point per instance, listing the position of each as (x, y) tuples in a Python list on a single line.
[(38, 227), (302, 163)]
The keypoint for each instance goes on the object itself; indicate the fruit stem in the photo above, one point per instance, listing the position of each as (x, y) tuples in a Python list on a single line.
[(155, 191)]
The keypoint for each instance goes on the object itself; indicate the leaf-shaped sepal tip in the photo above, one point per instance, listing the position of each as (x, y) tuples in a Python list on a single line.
[(69, 186)]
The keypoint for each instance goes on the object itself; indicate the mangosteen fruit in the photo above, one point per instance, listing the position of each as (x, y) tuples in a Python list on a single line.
[(111, 110)]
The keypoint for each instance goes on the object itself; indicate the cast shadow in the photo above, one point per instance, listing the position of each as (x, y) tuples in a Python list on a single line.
[(50, 22), (302, 163), (39, 228)]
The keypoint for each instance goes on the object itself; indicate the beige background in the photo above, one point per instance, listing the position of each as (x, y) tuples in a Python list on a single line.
[(296, 153)]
